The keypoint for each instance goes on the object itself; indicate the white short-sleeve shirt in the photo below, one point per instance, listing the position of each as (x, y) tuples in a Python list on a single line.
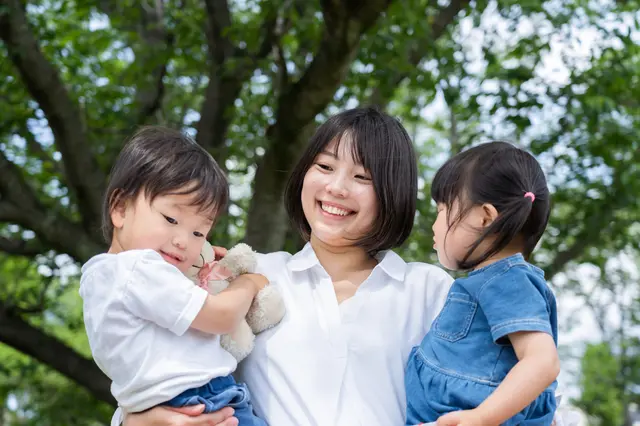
[(340, 364), (137, 312)]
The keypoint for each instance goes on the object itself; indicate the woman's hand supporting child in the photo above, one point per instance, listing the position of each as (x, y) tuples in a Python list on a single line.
[(222, 312), (538, 366)]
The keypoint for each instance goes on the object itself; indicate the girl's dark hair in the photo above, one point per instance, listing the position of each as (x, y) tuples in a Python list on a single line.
[(160, 161), (381, 144), (500, 174)]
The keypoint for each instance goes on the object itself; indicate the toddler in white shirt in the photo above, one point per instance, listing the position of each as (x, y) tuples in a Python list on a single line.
[(152, 331)]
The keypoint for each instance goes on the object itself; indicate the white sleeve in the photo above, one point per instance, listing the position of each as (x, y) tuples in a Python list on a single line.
[(430, 286), (158, 292), (438, 282), (117, 419)]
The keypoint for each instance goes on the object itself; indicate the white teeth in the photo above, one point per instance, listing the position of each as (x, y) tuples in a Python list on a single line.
[(334, 210)]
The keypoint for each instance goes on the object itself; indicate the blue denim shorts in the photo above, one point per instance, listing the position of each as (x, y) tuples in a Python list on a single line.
[(219, 393)]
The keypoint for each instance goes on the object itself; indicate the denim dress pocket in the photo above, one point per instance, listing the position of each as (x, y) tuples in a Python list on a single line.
[(454, 320)]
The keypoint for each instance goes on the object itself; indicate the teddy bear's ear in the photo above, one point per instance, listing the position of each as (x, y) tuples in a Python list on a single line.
[(207, 252), (206, 255)]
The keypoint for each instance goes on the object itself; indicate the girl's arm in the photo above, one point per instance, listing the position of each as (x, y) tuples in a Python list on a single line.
[(188, 416), (538, 366), (222, 312)]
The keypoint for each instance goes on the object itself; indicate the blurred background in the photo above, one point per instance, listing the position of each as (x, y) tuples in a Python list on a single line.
[(249, 80)]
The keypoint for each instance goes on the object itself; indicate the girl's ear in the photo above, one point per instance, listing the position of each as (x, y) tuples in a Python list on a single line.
[(117, 209), (489, 214)]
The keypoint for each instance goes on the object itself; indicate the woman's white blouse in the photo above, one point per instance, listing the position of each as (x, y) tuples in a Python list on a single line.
[(340, 364)]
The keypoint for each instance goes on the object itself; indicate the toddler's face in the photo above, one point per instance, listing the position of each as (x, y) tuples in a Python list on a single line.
[(453, 242), (170, 225)]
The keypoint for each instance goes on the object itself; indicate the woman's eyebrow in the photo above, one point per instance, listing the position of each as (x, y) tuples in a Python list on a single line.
[(329, 153)]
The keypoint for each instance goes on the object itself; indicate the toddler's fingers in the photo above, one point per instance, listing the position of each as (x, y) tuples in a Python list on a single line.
[(219, 252)]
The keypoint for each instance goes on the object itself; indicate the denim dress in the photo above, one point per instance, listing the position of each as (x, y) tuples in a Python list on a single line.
[(467, 352)]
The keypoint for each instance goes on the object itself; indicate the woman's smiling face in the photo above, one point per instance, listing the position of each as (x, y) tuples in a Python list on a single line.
[(338, 196)]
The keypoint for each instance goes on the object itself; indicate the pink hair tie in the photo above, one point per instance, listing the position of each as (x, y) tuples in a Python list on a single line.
[(530, 195)]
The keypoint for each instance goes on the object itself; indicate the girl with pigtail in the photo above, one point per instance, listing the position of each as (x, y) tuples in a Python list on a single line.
[(490, 357)]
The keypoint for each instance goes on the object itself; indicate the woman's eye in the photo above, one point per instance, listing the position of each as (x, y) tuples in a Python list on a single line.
[(171, 220), (198, 234), (363, 177), (324, 167)]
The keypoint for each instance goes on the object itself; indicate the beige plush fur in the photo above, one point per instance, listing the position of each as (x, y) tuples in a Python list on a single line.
[(266, 310)]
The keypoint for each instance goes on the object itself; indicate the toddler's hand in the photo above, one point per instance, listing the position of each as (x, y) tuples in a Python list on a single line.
[(462, 418), (219, 252), (259, 281)]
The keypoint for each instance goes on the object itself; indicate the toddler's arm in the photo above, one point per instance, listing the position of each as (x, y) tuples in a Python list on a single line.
[(221, 313), (158, 292), (538, 366)]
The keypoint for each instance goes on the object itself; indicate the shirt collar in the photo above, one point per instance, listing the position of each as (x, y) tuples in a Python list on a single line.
[(388, 261), (304, 259), (392, 264)]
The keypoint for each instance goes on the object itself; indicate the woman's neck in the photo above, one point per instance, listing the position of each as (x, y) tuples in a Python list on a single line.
[(341, 262)]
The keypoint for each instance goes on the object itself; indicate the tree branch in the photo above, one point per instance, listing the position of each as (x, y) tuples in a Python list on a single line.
[(230, 67), (595, 225), (19, 334), (8, 212), (21, 206), (281, 76), (152, 54), (272, 30), (566, 256), (384, 91), (345, 22), (219, 18), (29, 248), (224, 87), (35, 148), (344, 25), (13, 187), (84, 177)]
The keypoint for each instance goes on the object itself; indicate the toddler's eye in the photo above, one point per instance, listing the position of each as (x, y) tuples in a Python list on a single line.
[(198, 234), (171, 220)]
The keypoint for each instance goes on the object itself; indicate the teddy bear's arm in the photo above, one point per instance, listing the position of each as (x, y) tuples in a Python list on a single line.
[(266, 310)]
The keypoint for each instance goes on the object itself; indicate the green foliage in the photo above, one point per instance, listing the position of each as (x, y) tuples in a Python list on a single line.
[(610, 370), (31, 393), (601, 396)]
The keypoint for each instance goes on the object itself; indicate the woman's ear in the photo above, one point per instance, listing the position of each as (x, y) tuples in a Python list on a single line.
[(489, 214)]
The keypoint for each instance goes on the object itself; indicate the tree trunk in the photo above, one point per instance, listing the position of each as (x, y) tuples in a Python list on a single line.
[(268, 223)]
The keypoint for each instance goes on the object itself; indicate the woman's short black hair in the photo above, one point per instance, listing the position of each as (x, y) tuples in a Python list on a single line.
[(381, 144), (499, 174), (159, 161)]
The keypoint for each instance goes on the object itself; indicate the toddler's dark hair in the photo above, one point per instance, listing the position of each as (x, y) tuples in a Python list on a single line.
[(500, 174), (160, 161)]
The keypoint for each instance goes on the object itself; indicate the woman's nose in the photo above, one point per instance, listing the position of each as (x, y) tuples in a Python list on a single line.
[(338, 187)]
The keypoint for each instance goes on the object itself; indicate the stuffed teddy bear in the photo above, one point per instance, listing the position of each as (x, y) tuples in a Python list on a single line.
[(266, 310)]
